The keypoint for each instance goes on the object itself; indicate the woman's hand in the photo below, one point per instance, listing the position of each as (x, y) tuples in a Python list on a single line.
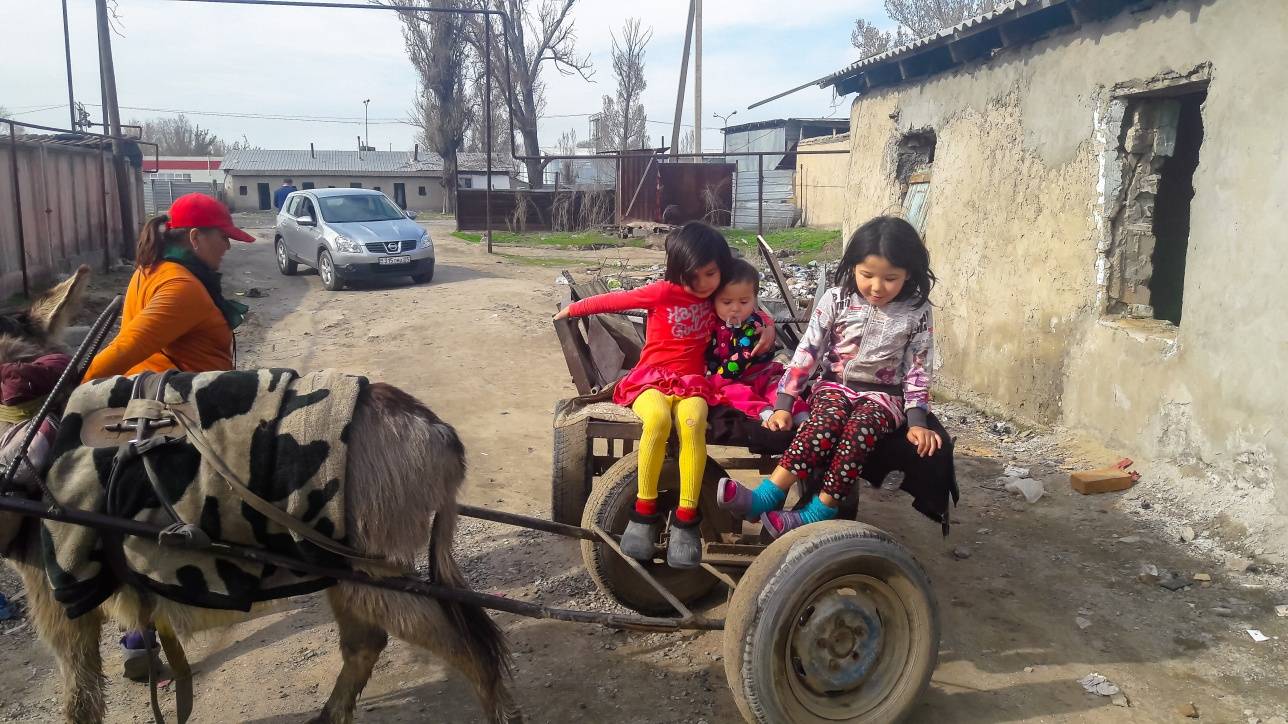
[(765, 344), (561, 314), (926, 440), (780, 420)]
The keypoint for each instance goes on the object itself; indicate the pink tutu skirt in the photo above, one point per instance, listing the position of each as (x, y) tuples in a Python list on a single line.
[(667, 382)]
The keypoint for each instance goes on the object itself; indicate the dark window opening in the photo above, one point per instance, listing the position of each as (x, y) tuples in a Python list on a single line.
[(355, 185), (466, 182), (915, 154), (1158, 152), (308, 185), (914, 157), (241, 190), (1172, 212), (375, 188), (421, 191)]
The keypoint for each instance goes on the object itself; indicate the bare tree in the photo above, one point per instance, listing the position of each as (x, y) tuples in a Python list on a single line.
[(476, 131), (916, 19), (628, 69), (442, 108), (686, 143), (537, 35), (178, 136), (4, 127), (567, 147)]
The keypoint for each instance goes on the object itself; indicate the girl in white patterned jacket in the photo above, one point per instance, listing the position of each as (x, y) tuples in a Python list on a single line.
[(873, 334)]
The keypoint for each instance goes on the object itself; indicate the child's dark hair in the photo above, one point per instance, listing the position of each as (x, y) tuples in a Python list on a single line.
[(740, 271), (692, 247), (899, 243)]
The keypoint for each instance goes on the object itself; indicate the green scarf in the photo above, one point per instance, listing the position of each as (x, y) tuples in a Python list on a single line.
[(234, 312)]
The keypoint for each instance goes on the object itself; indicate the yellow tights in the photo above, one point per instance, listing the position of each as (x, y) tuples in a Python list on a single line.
[(657, 411)]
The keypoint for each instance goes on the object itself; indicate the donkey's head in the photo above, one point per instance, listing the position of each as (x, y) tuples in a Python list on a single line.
[(28, 333), (25, 335)]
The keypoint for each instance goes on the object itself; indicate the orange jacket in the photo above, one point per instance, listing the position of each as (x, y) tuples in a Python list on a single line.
[(168, 322)]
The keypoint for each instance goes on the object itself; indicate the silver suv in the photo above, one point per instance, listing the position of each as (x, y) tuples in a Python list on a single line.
[(351, 234)]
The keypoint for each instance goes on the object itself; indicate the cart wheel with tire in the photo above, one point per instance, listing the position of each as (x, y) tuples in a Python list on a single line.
[(835, 621)]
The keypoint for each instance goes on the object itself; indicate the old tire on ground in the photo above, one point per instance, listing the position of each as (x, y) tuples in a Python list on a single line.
[(326, 270), (833, 622), (285, 264), (611, 500), (570, 474)]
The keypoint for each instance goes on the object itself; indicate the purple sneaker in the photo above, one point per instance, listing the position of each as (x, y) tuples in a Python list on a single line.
[(735, 497), (778, 522)]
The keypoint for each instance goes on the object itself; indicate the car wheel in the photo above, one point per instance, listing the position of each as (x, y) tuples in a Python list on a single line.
[(326, 270), (424, 277), (284, 263)]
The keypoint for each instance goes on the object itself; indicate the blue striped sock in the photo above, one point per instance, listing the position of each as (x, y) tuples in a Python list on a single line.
[(766, 497), (816, 511)]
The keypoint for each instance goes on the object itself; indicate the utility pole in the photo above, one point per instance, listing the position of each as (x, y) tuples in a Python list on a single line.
[(366, 134), (697, 76), (108, 71), (684, 72), (67, 49), (112, 117)]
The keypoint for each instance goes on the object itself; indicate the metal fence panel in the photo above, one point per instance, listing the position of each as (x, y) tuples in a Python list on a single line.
[(158, 194), (778, 208)]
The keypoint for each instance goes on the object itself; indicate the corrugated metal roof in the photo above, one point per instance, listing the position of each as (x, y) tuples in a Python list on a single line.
[(782, 123), (999, 12), (324, 162)]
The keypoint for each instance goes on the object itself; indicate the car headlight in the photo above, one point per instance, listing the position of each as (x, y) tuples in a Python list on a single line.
[(425, 241), (346, 246)]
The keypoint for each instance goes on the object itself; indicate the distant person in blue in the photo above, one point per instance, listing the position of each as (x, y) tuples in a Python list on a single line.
[(279, 196)]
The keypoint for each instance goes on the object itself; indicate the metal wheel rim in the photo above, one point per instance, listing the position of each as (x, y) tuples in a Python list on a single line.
[(281, 254), (868, 664), (324, 268)]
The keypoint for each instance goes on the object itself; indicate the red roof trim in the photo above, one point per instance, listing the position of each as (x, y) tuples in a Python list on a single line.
[(194, 165)]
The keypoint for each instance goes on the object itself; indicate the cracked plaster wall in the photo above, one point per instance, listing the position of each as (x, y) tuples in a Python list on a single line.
[(1017, 232)]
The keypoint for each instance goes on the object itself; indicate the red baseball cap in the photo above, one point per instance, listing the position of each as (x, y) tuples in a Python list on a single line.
[(204, 212)]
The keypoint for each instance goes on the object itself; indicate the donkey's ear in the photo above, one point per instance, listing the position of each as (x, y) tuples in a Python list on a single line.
[(53, 309)]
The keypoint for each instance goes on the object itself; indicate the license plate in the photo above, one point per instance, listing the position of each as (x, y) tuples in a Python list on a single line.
[(390, 260)]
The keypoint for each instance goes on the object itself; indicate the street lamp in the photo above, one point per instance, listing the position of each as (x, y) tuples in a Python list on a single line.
[(366, 134), (725, 118)]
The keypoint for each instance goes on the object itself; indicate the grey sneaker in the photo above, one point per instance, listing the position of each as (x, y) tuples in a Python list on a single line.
[(684, 549), (639, 540)]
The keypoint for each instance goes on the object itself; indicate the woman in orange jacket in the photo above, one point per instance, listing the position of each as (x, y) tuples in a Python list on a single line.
[(175, 317)]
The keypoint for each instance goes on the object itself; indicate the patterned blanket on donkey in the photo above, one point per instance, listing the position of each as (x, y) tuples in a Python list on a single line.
[(284, 435)]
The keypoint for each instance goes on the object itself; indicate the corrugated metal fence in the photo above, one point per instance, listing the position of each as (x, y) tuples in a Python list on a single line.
[(158, 194), (778, 207), (68, 213)]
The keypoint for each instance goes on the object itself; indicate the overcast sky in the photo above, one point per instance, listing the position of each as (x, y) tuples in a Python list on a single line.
[(319, 64)]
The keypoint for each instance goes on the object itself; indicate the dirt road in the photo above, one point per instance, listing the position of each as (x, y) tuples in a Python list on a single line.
[(476, 346)]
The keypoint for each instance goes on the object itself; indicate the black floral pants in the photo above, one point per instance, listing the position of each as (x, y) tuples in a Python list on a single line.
[(837, 437)]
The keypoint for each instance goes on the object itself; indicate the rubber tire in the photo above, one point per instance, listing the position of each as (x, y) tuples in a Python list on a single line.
[(335, 283), (609, 506), (570, 476), (287, 266), (792, 567), (424, 278)]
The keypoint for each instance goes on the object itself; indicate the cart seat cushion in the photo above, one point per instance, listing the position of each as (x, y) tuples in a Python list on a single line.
[(284, 435)]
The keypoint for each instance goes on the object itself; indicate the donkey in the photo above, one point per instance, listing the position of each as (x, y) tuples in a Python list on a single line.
[(400, 500)]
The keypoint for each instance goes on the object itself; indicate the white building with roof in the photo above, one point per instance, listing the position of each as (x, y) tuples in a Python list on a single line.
[(412, 179)]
